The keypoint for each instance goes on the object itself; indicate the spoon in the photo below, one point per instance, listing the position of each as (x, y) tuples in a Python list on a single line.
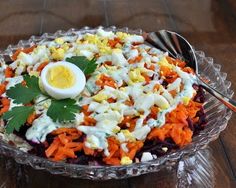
[(179, 48)]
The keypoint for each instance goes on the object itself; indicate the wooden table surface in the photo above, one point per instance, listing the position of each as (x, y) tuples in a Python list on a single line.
[(210, 25)]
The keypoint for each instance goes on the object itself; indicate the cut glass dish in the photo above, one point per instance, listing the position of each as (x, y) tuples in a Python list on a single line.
[(217, 118)]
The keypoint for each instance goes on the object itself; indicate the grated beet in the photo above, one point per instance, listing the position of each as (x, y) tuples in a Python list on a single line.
[(9, 62), (164, 84), (21, 133), (50, 138), (38, 149), (200, 97), (152, 146), (155, 147), (190, 124), (83, 159)]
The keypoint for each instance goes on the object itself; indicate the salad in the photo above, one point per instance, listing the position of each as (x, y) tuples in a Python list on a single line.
[(103, 98)]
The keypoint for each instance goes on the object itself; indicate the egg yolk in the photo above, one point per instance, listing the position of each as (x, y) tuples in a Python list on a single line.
[(60, 77)]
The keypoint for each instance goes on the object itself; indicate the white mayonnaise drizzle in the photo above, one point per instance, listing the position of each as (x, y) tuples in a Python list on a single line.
[(109, 115)]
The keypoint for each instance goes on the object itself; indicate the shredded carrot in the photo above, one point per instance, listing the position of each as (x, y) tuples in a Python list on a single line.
[(41, 66), (176, 62), (126, 119), (69, 131), (151, 67), (31, 118), (109, 63), (176, 126), (193, 107), (9, 72), (106, 81), (85, 110), (134, 147), (180, 133), (75, 146), (111, 100), (3, 88), (170, 75), (113, 147), (69, 153), (135, 60), (173, 93), (112, 161), (64, 145), (160, 133), (87, 150), (178, 115), (25, 50), (129, 102), (188, 70), (53, 147), (64, 139), (156, 87), (180, 64), (147, 78), (113, 42), (67, 142), (164, 70), (131, 125), (5, 103), (114, 152), (128, 122), (154, 111), (89, 121)]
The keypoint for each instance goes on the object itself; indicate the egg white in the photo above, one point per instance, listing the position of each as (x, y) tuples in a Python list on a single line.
[(70, 92)]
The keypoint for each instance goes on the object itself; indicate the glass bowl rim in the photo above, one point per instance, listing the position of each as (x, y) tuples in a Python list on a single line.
[(163, 161)]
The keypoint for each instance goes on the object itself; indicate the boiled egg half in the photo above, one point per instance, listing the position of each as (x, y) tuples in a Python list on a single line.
[(62, 80)]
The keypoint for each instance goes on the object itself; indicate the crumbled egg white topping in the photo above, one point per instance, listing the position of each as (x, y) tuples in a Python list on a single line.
[(130, 81)]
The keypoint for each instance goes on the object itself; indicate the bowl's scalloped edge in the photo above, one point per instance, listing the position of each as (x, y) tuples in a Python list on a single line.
[(109, 172)]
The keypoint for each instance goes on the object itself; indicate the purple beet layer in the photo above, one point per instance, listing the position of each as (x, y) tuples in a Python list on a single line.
[(155, 147)]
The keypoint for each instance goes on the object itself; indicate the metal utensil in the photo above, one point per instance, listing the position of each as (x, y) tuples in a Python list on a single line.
[(178, 47)]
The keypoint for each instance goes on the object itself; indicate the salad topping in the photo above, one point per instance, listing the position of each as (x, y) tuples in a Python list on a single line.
[(132, 95)]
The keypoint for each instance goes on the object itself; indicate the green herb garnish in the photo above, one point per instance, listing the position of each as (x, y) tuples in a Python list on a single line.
[(17, 117), (25, 94), (63, 110), (87, 66), (59, 110)]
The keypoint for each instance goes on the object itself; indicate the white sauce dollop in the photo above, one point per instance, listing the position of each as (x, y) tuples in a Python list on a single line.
[(40, 128), (109, 115)]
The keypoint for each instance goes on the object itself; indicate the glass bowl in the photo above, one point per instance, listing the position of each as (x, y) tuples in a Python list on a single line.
[(217, 117)]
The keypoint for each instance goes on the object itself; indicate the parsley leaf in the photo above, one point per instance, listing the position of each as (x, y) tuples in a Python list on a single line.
[(16, 117), (25, 94), (63, 110), (87, 66), (32, 82)]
